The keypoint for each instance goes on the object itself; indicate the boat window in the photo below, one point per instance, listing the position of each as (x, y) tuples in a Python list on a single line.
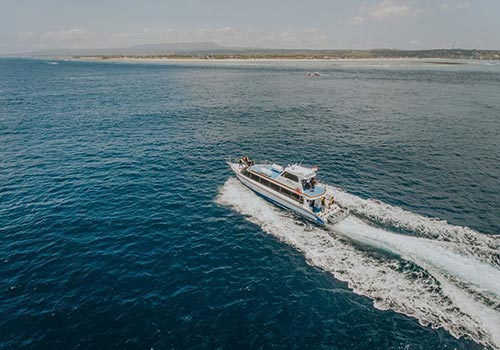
[(264, 182), (290, 176), (277, 188), (290, 194), (274, 186), (254, 177)]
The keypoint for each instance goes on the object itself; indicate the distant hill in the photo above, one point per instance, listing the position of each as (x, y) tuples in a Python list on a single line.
[(179, 47), (188, 48), (215, 51)]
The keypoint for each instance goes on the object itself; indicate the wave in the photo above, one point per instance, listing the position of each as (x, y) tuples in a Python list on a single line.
[(442, 275)]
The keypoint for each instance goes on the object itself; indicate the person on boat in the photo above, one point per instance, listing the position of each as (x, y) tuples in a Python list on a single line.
[(247, 161), (313, 183), (307, 184), (332, 200), (240, 161), (317, 205)]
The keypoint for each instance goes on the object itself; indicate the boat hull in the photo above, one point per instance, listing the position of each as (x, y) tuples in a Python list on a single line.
[(276, 199)]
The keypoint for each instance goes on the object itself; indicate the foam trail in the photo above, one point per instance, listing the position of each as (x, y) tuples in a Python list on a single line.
[(438, 284), (461, 239), (425, 252)]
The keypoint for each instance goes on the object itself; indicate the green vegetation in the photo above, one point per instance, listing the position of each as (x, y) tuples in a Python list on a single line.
[(318, 54)]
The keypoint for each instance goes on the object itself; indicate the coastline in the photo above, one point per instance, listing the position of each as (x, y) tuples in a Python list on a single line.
[(408, 60)]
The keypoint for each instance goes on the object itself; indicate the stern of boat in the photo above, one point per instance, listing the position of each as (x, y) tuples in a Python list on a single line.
[(336, 214)]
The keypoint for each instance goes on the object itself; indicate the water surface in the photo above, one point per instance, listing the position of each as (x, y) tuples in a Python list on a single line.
[(121, 227)]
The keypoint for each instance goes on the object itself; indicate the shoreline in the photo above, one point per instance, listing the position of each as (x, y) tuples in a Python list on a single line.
[(436, 61)]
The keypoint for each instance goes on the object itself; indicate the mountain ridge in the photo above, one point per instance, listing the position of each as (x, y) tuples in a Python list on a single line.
[(208, 49)]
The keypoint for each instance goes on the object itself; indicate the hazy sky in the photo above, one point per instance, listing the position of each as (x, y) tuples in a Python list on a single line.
[(27, 25)]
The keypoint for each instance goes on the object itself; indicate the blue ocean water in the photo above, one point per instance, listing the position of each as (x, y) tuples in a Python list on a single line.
[(121, 227)]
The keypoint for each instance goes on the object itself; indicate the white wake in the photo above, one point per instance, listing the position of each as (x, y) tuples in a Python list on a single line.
[(443, 275)]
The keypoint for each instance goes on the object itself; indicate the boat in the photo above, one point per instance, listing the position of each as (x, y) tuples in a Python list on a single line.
[(294, 188)]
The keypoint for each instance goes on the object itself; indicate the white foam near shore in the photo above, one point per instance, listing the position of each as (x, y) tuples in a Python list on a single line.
[(422, 276)]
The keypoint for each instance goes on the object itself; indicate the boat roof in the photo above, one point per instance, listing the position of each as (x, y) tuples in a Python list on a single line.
[(300, 171), (267, 170)]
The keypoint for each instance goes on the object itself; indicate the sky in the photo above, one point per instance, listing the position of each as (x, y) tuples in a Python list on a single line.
[(29, 25)]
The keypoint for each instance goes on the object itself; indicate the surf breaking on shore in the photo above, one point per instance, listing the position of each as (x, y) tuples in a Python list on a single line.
[(442, 275)]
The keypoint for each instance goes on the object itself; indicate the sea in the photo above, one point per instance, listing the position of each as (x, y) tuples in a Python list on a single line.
[(122, 227)]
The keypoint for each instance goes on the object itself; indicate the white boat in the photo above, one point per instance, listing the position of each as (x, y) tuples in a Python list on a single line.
[(293, 188)]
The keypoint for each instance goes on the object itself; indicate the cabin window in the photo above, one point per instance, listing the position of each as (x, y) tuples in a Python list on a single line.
[(274, 186), (267, 183), (264, 182), (254, 177), (290, 194), (291, 177)]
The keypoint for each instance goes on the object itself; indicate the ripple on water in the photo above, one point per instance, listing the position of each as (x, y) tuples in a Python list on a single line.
[(110, 237)]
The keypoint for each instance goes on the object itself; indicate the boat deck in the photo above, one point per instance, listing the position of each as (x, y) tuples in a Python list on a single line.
[(318, 189)]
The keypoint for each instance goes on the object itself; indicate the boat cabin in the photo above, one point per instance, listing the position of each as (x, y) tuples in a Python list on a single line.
[(299, 179), (304, 178)]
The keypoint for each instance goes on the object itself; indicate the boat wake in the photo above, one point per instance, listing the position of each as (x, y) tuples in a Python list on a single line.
[(443, 275)]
